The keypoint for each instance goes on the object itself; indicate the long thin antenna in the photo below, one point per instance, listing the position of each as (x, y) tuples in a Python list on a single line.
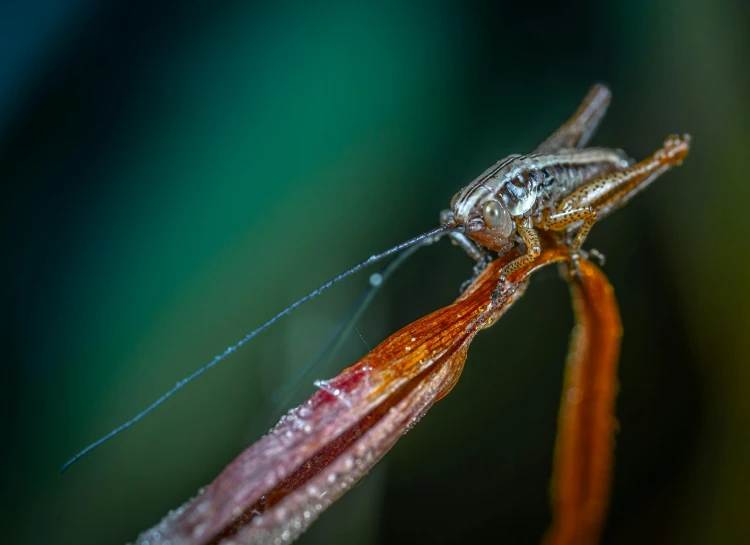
[(437, 232), (336, 339)]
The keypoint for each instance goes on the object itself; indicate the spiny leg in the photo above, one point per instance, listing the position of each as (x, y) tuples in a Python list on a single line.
[(533, 248), (616, 189), (560, 220), (599, 197), (578, 130)]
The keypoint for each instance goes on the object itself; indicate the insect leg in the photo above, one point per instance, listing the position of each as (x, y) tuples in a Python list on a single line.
[(533, 248), (615, 190), (578, 130), (560, 220)]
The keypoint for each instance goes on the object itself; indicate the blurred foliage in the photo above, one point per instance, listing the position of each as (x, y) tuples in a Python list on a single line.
[(174, 175)]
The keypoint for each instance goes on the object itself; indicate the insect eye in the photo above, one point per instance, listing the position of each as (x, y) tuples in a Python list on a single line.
[(493, 214), (497, 218), (454, 200)]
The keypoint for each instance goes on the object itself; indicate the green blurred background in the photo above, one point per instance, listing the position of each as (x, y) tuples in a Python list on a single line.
[(175, 175)]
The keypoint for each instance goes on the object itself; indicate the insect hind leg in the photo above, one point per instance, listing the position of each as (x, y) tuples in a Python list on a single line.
[(599, 197), (615, 190), (578, 130)]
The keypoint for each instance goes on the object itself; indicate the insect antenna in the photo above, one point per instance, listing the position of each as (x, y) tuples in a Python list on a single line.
[(424, 238), (335, 340)]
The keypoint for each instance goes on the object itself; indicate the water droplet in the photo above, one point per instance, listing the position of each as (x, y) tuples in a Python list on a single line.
[(199, 530)]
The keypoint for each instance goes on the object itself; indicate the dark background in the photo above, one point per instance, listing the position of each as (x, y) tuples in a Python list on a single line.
[(173, 175)]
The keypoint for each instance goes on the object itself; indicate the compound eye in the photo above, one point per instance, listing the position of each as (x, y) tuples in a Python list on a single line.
[(497, 218), (493, 214), (454, 200)]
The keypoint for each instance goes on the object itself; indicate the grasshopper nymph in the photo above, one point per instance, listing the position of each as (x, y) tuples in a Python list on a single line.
[(562, 186)]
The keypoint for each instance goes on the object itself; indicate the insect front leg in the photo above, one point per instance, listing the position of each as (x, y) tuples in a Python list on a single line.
[(533, 248), (479, 254)]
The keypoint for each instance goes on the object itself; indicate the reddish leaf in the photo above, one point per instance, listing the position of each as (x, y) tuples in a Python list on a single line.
[(585, 437), (280, 484)]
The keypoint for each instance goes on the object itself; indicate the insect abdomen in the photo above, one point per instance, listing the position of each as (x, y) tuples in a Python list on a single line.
[(562, 173)]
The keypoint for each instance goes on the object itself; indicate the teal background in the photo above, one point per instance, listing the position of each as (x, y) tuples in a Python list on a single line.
[(174, 175)]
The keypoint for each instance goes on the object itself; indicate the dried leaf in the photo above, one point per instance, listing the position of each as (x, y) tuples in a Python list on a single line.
[(585, 436), (279, 485)]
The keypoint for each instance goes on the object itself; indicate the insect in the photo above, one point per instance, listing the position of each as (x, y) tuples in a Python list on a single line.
[(562, 187)]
